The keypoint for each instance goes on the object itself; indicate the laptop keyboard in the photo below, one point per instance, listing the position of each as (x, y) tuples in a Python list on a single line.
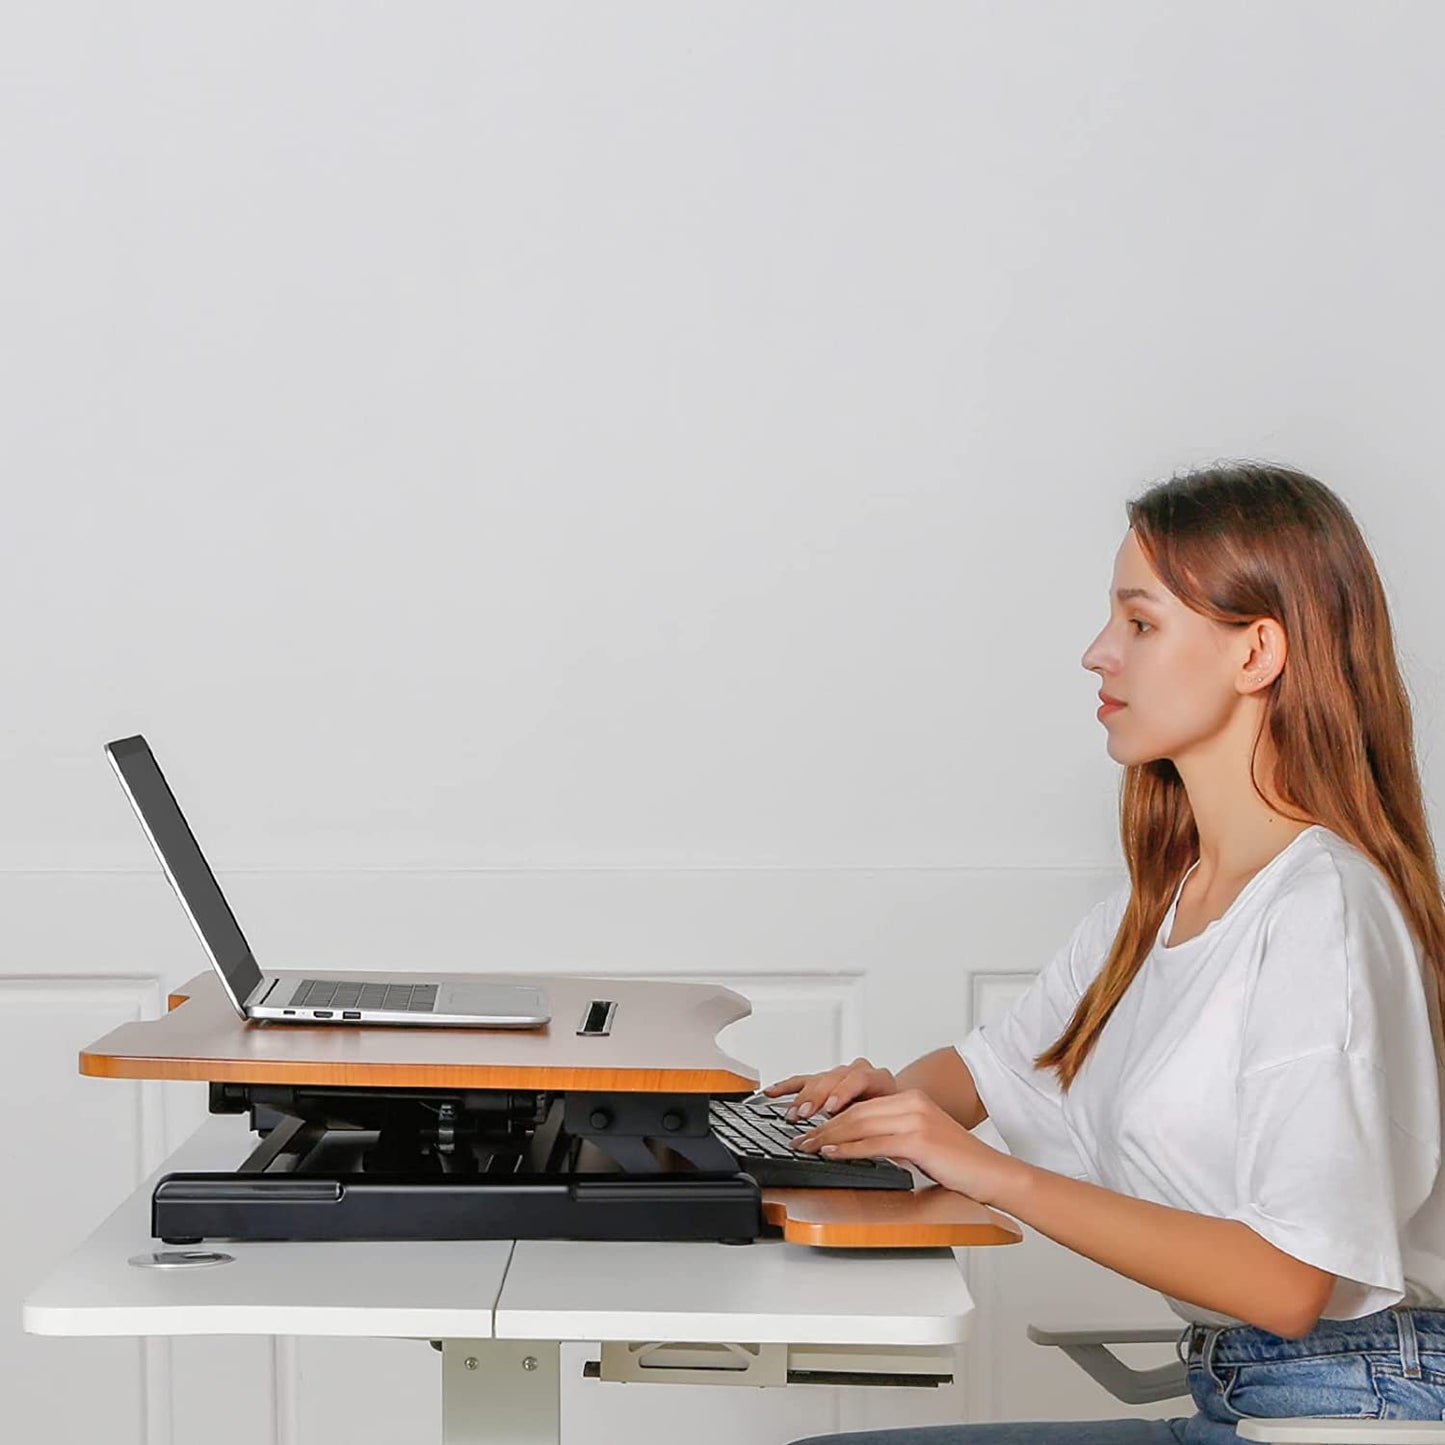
[(412, 998), (758, 1136)]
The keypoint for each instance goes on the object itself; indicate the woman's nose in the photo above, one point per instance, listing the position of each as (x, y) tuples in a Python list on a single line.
[(1094, 659)]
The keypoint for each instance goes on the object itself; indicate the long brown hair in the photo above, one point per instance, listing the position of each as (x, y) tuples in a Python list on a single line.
[(1236, 543)]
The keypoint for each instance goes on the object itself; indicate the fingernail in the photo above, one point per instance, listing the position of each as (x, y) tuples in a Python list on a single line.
[(830, 1103), (828, 1149), (792, 1112), (804, 1111)]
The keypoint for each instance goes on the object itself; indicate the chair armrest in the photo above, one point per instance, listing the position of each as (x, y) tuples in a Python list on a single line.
[(1087, 1349), (1305, 1430), (1072, 1334)]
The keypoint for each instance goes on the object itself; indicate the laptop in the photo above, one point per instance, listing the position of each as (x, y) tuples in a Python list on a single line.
[(363, 998)]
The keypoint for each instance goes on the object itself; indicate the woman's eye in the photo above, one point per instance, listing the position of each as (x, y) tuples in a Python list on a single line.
[(1144, 626)]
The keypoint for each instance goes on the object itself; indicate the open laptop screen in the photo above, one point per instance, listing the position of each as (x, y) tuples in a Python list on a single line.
[(160, 815)]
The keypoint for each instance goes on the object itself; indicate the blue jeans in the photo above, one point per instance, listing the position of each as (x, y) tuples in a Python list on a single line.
[(1385, 1366)]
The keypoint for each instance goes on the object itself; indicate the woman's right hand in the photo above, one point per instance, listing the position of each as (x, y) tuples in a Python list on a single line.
[(835, 1089)]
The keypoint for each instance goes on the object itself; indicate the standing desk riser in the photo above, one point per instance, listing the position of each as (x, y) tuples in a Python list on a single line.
[(427, 1133)]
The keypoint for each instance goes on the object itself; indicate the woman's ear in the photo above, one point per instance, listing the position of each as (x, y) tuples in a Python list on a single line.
[(1264, 661)]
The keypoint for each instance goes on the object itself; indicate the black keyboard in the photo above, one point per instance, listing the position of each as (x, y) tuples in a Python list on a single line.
[(338, 993), (756, 1133)]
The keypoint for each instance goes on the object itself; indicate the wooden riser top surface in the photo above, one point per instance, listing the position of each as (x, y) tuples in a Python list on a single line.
[(663, 1040)]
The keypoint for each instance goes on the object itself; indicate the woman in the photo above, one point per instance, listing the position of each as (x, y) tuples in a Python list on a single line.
[(1226, 1084)]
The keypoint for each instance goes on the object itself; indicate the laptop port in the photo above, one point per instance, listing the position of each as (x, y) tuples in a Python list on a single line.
[(321, 1013), (350, 1013)]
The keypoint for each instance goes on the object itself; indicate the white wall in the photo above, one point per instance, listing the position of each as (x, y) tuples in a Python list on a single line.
[(658, 461), (568, 435)]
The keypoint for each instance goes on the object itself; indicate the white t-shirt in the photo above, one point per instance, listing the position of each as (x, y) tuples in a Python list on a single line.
[(1279, 1068)]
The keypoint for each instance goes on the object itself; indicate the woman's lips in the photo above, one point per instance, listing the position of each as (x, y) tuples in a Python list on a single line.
[(1106, 709)]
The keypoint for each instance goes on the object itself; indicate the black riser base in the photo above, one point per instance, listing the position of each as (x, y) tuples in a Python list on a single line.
[(187, 1208)]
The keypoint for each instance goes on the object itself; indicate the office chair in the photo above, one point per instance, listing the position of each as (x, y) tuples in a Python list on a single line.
[(1089, 1350)]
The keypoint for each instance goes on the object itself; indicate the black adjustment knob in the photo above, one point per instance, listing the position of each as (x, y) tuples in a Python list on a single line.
[(600, 1118), (672, 1121)]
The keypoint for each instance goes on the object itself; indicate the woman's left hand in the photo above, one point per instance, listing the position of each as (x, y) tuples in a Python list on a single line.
[(911, 1128)]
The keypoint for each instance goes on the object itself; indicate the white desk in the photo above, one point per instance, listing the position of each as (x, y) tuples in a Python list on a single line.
[(669, 1312)]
